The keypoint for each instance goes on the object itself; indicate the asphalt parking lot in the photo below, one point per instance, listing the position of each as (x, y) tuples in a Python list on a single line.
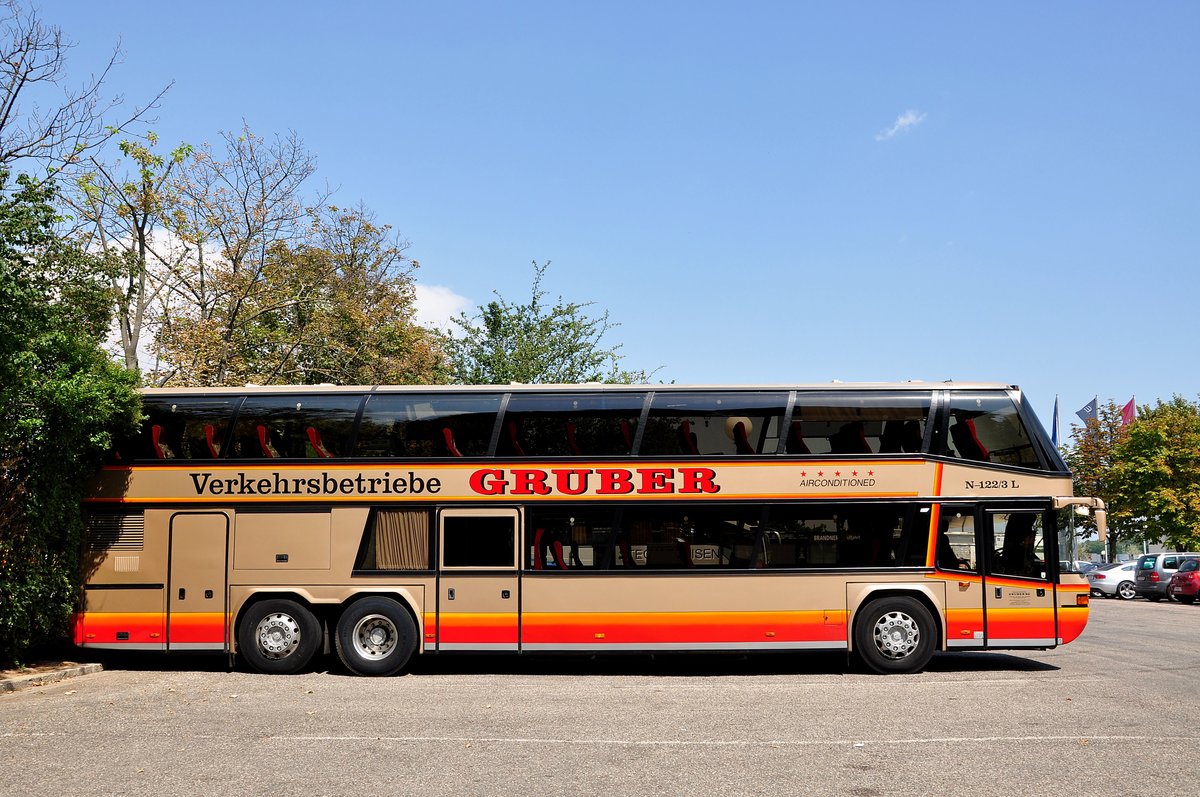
[(1112, 713)]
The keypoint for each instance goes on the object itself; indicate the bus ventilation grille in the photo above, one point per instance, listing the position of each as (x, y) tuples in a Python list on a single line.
[(116, 532)]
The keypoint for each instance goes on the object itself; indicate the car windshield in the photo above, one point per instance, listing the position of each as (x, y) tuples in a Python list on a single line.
[(1111, 565), (1189, 566)]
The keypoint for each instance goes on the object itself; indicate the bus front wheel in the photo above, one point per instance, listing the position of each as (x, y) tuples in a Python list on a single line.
[(279, 636), (375, 636), (895, 635)]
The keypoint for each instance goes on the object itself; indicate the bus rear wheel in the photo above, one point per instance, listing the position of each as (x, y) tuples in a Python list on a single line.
[(375, 636), (895, 635), (279, 636)]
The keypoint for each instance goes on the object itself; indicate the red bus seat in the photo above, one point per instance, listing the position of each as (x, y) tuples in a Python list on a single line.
[(214, 446), (687, 439), (161, 449), (741, 439), (795, 439), (967, 441), (448, 439), (264, 442), (314, 439)]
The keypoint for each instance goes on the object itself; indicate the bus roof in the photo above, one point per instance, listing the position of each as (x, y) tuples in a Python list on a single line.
[(522, 387)]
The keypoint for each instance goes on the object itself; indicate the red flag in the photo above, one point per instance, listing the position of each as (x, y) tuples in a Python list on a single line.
[(1128, 413)]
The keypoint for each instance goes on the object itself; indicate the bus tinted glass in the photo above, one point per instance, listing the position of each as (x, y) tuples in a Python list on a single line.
[(858, 423), (420, 425), (181, 427), (985, 427), (847, 535), (294, 427), (570, 425), (675, 537), (707, 424), (569, 538)]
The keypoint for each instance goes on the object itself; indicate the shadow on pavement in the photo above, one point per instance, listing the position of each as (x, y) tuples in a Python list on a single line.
[(698, 665)]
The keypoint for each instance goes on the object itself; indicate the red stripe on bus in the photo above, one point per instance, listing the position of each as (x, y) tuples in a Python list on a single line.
[(1032, 623), (464, 628), (683, 627), (103, 627), (198, 627)]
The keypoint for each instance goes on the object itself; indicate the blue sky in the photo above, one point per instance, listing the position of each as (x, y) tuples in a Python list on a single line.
[(761, 192)]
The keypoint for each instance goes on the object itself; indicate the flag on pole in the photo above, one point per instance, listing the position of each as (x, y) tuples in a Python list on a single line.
[(1128, 413), (1054, 423), (1088, 411)]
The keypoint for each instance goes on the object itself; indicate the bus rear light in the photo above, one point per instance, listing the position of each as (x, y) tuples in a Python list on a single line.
[(155, 635), (89, 636), (770, 633), (1081, 600)]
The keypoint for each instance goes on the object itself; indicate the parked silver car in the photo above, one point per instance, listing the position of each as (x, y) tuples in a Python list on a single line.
[(1114, 580)]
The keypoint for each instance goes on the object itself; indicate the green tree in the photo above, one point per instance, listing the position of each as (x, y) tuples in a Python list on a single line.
[(535, 343), (61, 400), (1157, 472), (1092, 457), (277, 286)]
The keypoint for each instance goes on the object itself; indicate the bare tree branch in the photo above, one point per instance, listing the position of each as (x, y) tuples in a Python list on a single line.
[(43, 120)]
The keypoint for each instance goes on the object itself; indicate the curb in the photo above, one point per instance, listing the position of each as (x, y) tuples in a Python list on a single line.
[(49, 677)]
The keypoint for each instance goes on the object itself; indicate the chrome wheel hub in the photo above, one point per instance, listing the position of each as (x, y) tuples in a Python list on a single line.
[(896, 635), (375, 637), (278, 635)]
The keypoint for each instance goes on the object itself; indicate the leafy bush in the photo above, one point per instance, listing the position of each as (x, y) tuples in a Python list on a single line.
[(61, 400)]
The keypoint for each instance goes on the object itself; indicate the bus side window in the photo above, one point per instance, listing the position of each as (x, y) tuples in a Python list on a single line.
[(395, 539), (569, 424), (986, 427), (704, 424), (956, 541), (426, 426), (855, 423), (178, 428)]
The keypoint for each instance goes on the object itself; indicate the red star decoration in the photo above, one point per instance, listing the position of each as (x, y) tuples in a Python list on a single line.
[(853, 473), (837, 473), (820, 473), (870, 473)]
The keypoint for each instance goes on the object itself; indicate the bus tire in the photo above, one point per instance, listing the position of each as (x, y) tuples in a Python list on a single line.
[(895, 635), (278, 636), (375, 636)]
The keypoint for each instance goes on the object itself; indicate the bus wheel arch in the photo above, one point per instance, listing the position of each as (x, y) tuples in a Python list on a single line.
[(376, 635), (896, 632), (278, 634)]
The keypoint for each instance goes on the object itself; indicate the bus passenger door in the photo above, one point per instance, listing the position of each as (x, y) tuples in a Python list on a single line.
[(1018, 578), (196, 581), (478, 602)]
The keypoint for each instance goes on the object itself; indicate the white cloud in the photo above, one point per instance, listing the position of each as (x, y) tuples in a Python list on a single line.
[(437, 304), (904, 122)]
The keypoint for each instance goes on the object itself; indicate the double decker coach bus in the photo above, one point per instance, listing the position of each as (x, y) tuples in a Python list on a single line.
[(887, 520)]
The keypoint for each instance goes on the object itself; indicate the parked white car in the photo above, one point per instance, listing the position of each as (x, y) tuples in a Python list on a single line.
[(1114, 580)]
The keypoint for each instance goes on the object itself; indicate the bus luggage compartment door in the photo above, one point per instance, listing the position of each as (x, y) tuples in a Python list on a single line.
[(196, 583), (478, 585)]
